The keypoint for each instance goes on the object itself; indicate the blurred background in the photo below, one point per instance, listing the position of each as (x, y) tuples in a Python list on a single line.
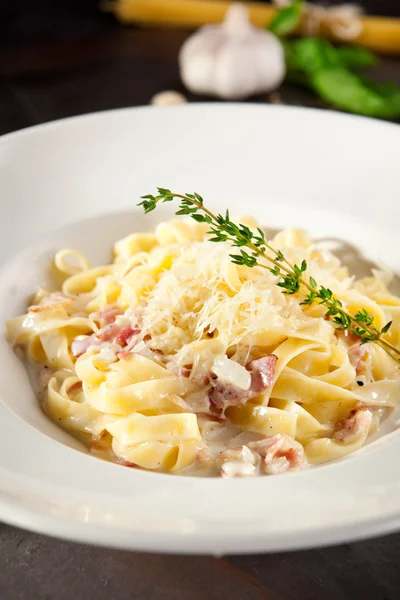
[(67, 57)]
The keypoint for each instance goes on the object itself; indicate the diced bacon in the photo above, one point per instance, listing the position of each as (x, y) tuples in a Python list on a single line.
[(105, 316), (357, 424), (357, 353), (268, 446), (131, 343), (262, 376), (279, 453), (293, 457), (185, 371), (124, 335), (54, 300), (223, 395), (262, 373), (80, 345), (237, 462), (108, 333), (350, 338), (277, 466)]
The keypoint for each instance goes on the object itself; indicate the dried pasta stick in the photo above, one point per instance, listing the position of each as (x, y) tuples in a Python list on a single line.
[(379, 34)]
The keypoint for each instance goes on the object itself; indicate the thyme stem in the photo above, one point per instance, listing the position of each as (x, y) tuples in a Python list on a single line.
[(292, 277)]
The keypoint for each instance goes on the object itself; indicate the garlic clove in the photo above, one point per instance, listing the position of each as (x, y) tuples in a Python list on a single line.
[(168, 98), (233, 60), (237, 21), (197, 60), (233, 78)]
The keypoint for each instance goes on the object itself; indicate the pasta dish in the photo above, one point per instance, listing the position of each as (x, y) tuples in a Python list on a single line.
[(173, 358)]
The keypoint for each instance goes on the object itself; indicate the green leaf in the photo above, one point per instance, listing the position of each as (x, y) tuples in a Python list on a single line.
[(148, 205), (362, 316), (349, 92), (386, 328), (287, 19), (309, 299), (313, 283), (275, 271), (387, 89), (325, 293), (310, 55), (199, 218), (290, 283), (353, 57)]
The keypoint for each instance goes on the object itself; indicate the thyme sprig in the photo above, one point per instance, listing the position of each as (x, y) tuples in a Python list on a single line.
[(254, 250)]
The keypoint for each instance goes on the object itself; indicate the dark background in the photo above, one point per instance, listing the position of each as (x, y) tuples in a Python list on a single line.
[(64, 57), (60, 58)]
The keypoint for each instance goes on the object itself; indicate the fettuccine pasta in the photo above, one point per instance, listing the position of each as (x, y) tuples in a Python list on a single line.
[(173, 358)]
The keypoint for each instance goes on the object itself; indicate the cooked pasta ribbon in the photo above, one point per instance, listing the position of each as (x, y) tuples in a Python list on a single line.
[(173, 358)]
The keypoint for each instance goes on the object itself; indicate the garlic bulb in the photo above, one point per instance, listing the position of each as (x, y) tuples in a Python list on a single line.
[(232, 60)]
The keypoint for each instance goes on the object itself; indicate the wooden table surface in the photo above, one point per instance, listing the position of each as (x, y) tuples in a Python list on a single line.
[(61, 59)]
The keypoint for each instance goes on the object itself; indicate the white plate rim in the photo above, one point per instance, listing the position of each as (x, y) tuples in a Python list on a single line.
[(19, 514)]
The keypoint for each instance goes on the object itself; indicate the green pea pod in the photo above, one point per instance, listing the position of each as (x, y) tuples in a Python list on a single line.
[(347, 91)]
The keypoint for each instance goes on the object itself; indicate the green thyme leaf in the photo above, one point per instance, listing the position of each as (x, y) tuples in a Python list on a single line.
[(386, 328), (260, 253)]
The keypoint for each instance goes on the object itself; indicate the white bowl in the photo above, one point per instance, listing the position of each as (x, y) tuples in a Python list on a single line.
[(75, 183)]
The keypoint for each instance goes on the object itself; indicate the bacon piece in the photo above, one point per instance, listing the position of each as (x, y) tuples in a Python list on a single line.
[(350, 338), (237, 462), (268, 446), (262, 373), (131, 342), (278, 454), (54, 300), (123, 354), (80, 345), (262, 376), (107, 315), (293, 457), (356, 424), (223, 395), (357, 354), (185, 371), (124, 335)]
